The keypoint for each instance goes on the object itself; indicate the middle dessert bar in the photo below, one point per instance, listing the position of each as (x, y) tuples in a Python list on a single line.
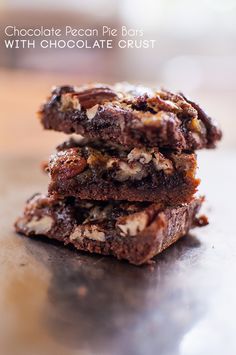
[(101, 171)]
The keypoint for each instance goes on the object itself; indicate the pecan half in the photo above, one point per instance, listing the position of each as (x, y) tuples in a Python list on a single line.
[(91, 97), (66, 165)]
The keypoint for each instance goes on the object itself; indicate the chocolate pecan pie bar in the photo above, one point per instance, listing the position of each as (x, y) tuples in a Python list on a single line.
[(134, 116), (127, 188), (132, 231), (99, 171)]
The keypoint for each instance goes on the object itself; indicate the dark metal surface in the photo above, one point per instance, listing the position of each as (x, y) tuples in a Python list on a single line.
[(55, 300)]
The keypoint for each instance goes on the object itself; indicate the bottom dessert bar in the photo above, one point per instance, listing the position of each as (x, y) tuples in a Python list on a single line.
[(132, 231)]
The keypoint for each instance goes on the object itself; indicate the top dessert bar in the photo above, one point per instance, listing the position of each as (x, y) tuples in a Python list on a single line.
[(134, 116)]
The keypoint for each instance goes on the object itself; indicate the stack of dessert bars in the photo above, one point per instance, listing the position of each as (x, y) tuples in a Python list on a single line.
[(124, 184)]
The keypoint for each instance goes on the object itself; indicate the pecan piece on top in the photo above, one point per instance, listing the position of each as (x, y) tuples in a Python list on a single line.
[(91, 97)]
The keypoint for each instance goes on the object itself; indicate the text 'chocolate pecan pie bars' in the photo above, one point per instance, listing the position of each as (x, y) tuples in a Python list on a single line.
[(125, 183)]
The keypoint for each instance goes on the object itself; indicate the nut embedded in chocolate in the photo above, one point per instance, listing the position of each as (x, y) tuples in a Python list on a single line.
[(133, 224), (90, 97)]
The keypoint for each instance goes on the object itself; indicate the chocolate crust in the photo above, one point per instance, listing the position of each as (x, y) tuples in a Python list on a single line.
[(132, 231), (91, 170), (132, 116)]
